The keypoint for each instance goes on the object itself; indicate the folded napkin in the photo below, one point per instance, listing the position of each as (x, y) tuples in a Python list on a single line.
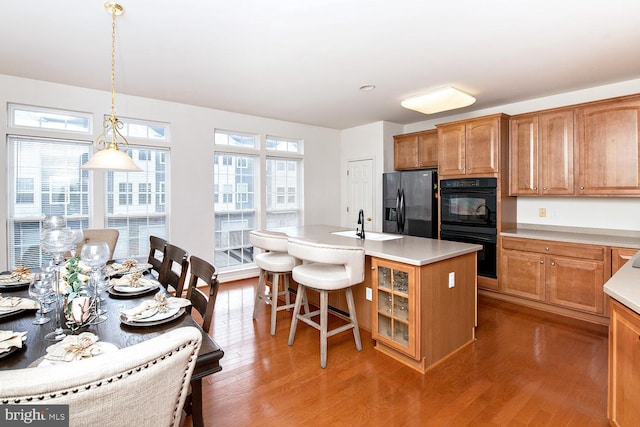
[(135, 280), (20, 274), (74, 347), (127, 266), (16, 303), (160, 304), (11, 339)]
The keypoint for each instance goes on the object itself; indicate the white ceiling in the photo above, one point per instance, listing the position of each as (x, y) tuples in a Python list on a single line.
[(304, 60)]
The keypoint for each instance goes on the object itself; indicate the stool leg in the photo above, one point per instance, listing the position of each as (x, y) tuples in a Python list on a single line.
[(259, 292), (287, 298), (274, 302), (354, 319), (324, 309), (296, 311)]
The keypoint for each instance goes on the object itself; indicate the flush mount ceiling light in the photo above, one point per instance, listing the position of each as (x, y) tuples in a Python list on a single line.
[(109, 156), (445, 99)]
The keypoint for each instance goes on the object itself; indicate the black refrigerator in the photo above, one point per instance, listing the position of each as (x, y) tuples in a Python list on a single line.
[(411, 203)]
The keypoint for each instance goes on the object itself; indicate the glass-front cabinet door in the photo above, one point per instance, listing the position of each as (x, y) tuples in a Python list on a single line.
[(395, 300)]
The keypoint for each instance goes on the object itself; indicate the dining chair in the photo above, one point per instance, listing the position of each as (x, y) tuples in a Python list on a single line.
[(202, 274), (274, 260), (145, 384), (95, 235), (156, 254), (173, 271), (326, 268)]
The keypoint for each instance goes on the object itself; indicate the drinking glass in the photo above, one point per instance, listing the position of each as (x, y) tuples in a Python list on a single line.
[(77, 238), (39, 290), (96, 255)]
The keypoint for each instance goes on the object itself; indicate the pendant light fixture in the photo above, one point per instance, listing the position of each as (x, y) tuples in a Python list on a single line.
[(109, 155)]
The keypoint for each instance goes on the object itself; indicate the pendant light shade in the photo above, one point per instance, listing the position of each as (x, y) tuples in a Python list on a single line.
[(445, 99), (109, 156)]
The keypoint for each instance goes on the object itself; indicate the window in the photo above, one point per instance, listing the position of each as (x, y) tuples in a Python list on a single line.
[(235, 212), (125, 193), (144, 155), (235, 139), (24, 190), (137, 221), (152, 131), (144, 193), (24, 116), (283, 188), (43, 178), (238, 165)]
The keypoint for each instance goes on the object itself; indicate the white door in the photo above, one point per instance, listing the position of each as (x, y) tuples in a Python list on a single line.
[(361, 189)]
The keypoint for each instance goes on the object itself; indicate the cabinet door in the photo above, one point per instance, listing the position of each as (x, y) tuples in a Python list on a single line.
[(624, 370), (482, 146), (395, 313), (451, 149), (523, 274), (609, 148), (428, 149), (405, 151), (575, 283), (556, 153), (523, 179), (619, 256)]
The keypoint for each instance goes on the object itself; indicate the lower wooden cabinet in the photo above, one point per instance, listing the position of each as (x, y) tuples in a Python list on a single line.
[(623, 407), (422, 314), (566, 275)]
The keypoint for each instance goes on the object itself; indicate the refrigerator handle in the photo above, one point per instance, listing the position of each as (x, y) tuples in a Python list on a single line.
[(398, 219), (402, 209)]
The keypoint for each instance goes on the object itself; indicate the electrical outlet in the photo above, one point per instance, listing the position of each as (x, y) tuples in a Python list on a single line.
[(368, 294), (452, 279), (542, 212)]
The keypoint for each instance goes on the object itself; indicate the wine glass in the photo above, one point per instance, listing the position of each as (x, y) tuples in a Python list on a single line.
[(77, 238), (56, 240), (39, 290), (96, 255)]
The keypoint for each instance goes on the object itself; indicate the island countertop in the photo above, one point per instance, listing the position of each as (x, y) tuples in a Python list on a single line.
[(624, 286), (405, 249)]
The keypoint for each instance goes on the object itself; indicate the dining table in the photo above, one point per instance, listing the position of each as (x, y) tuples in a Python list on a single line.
[(112, 331)]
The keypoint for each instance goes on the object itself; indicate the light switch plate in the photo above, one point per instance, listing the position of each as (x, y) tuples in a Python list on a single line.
[(452, 279), (368, 294)]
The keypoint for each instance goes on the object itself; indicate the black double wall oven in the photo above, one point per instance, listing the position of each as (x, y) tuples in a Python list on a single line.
[(468, 214)]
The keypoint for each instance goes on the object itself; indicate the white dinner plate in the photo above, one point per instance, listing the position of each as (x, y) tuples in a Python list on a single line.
[(156, 319), (134, 289), (105, 347)]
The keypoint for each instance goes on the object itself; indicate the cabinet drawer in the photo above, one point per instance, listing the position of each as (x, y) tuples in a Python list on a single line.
[(573, 250)]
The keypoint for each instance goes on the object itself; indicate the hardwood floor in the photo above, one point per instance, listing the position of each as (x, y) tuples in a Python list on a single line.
[(527, 368)]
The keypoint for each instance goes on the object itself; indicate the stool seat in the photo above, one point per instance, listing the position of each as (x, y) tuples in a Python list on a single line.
[(276, 262), (322, 276)]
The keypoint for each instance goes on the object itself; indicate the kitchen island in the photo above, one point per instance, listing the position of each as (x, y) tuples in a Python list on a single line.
[(419, 296)]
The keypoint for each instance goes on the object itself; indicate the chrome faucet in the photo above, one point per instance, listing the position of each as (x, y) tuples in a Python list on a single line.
[(360, 233)]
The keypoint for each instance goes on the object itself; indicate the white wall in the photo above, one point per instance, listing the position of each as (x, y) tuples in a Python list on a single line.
[(192, 128), (372, 141), (613, 213)]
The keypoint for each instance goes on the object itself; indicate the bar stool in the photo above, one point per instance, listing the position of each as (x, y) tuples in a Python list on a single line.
[(277, 262), (326, 268)]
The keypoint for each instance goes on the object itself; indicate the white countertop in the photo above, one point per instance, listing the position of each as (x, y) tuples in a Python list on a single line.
[(616, 238), (624, 286), (407, 249)]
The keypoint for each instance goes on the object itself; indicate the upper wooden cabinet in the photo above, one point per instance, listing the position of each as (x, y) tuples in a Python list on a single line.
[(416, 150), (472, 147), (541, 154), (608, 144)]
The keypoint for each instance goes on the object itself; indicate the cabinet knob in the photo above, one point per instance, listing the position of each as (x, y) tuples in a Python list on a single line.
[(547, 248), (541, 262), (582, 187), (544, 188), (373, 268), (553, 263), (535, 188)]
